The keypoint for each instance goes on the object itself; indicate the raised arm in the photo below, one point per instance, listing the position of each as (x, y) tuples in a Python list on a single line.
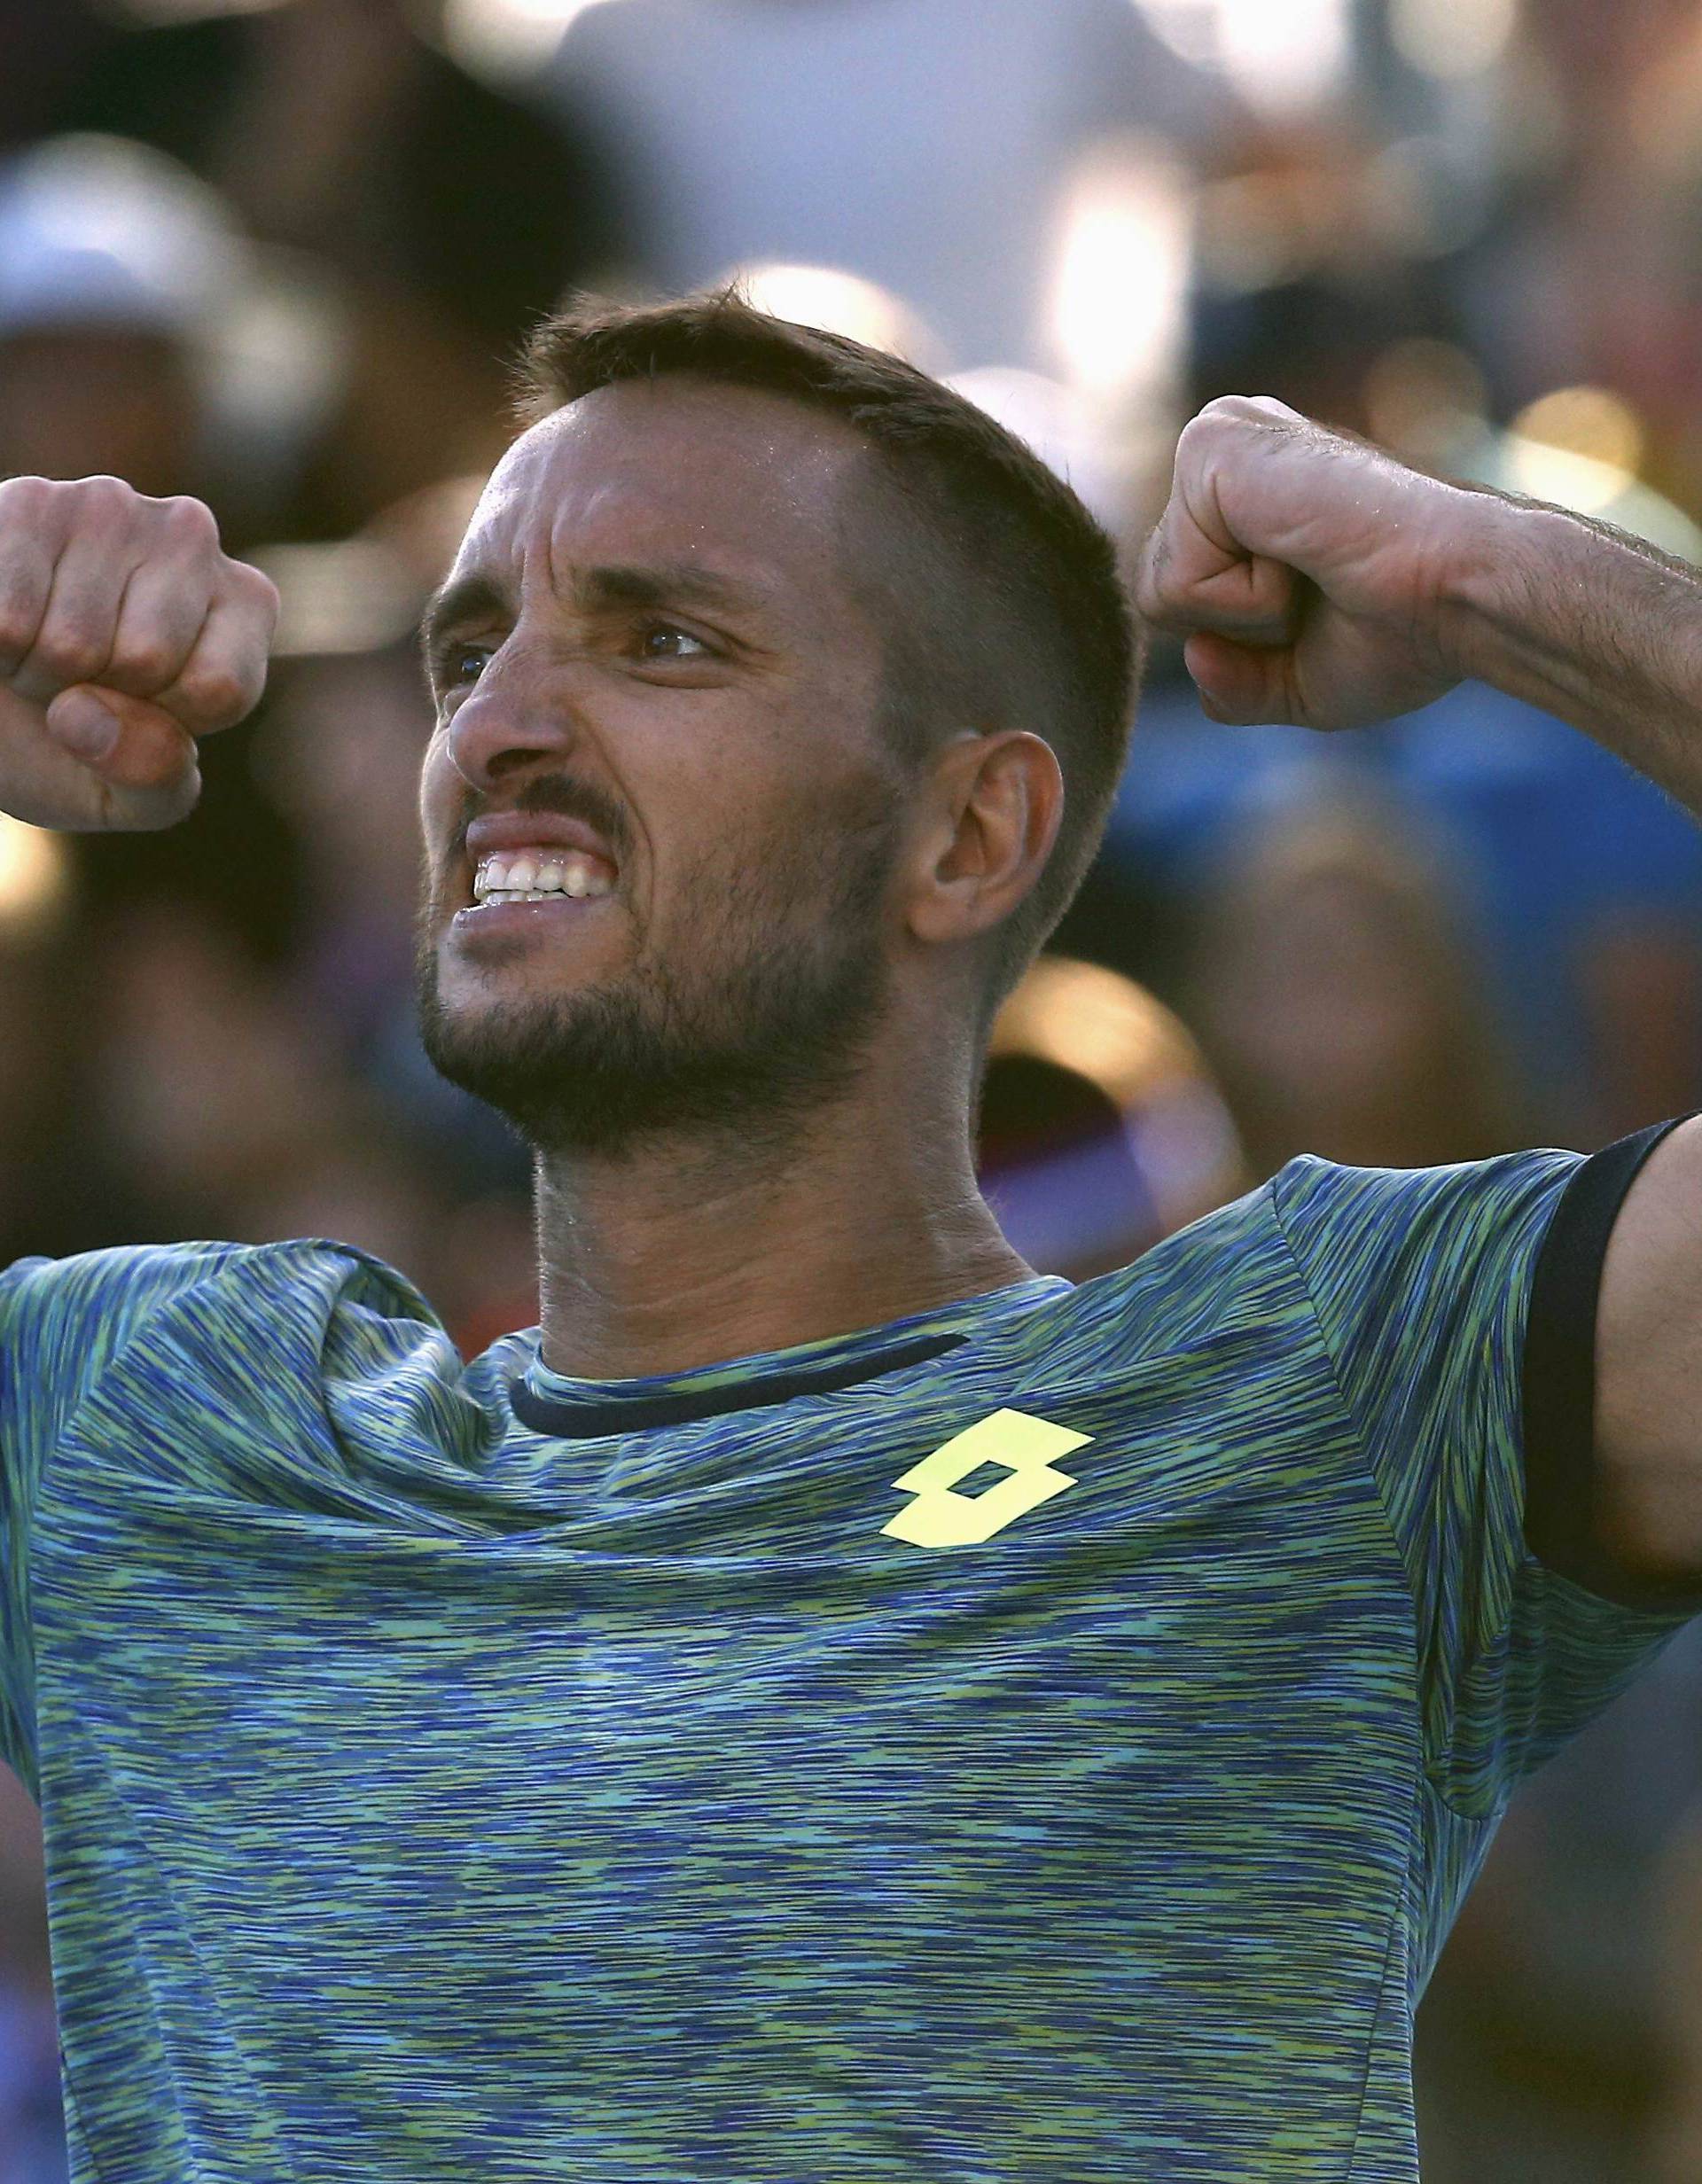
[(125, 634), (1318, 581)]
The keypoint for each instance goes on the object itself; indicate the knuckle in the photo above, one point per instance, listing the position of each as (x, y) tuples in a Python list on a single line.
[(1228, 417), (17, 634), (68, 655), (1239, 409), (190, 520), (1198, 438), (1222, 411), (182, 800), (214, 693), (105, 499), (264, 594), (149, 662), (26, 499)]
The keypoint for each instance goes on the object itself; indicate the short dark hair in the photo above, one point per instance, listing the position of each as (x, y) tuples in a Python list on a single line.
[(999, 593)]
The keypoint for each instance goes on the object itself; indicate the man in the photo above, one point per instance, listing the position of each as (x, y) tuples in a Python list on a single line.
[(829, 1704)]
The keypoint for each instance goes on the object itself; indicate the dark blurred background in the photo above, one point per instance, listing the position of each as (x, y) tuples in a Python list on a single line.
[(278, 255)]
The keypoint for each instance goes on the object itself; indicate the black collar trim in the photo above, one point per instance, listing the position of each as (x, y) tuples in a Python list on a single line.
[(577, 1419)]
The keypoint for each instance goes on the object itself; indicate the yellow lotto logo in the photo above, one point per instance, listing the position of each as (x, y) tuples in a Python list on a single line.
[(1026, 1446)]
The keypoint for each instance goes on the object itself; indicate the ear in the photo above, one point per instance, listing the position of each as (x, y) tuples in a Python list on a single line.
[(989, 815)]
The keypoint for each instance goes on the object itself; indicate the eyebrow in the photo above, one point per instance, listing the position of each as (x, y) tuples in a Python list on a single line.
[(462, 599), (478, 597)]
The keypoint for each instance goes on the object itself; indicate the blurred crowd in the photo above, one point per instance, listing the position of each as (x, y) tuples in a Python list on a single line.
[(279, 256)]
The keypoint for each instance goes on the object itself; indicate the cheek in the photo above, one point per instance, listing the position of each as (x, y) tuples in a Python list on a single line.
[(437, 798)]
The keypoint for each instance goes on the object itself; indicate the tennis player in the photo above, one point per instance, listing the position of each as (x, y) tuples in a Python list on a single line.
[(830, 1705)]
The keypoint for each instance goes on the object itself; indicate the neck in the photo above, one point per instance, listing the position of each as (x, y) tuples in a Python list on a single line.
[(694, 1252)]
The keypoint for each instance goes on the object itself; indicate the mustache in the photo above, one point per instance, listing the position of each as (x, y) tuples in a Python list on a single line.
[(563, 800)]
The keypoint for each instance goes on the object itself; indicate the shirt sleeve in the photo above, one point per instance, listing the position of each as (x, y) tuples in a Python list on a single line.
[(61, 1322), (1457, 1306)]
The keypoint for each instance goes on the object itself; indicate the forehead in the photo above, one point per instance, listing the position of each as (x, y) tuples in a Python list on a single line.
[(748, 484)]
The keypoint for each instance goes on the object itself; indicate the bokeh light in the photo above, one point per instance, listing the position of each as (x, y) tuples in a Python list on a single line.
[(1280, 55), (1587, 421), (1092, 1020), (839, 302), (1123, 269), (352, 596), (34, 878), (1426, 400), (507, 38), (1582, 448), (1577, 448), (1448, 39)]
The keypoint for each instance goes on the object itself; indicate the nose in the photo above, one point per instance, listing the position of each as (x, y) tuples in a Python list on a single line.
[(508, 720)]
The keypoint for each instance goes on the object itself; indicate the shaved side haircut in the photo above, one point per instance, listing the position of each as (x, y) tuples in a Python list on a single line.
[(998, 593)]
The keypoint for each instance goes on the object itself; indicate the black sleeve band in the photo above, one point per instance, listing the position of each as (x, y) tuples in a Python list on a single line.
[(1558, 1383)]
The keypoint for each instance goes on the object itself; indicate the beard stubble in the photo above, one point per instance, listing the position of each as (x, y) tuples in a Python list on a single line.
[(762, 1025)]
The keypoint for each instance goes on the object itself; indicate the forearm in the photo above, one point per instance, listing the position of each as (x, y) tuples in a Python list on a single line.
[(1599, 628)]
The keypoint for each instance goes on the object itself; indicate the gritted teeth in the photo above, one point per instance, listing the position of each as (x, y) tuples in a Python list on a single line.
[(548, 869)]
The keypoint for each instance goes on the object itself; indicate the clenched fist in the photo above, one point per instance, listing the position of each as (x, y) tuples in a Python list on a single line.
[(125, 634), (1314, 579)]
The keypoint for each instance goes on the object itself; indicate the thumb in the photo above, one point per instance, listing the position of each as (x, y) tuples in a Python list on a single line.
[(1241, 685), (127, 741)]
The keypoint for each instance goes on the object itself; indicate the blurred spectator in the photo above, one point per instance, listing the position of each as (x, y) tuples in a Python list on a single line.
[(1333, 989), (59, 1186), (453, 214), (341, 756), (116, 267), (1580, 884), (235, 1115), (1591, 272), (1548, 2051), (1101, 1130), (207, 1086), (1313, 258), (925, 147)]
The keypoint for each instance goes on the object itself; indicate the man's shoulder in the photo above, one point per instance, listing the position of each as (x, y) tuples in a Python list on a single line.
[(1347, 1221), (113, 1277), (237, 1331), (1194, 1284), (1248, 1264), (101, 1296)]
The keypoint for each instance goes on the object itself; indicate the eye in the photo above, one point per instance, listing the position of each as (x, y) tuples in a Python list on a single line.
[(666, 640), (462, 664)]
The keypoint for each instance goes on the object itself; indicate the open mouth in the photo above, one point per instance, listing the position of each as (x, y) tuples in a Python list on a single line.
[(511, 891)]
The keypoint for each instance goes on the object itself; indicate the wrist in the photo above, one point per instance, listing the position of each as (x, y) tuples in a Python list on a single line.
[(1484, 590), (1595, 626)]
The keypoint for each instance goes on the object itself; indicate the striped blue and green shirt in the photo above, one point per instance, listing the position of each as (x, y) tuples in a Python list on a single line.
[(1043, 1741)]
